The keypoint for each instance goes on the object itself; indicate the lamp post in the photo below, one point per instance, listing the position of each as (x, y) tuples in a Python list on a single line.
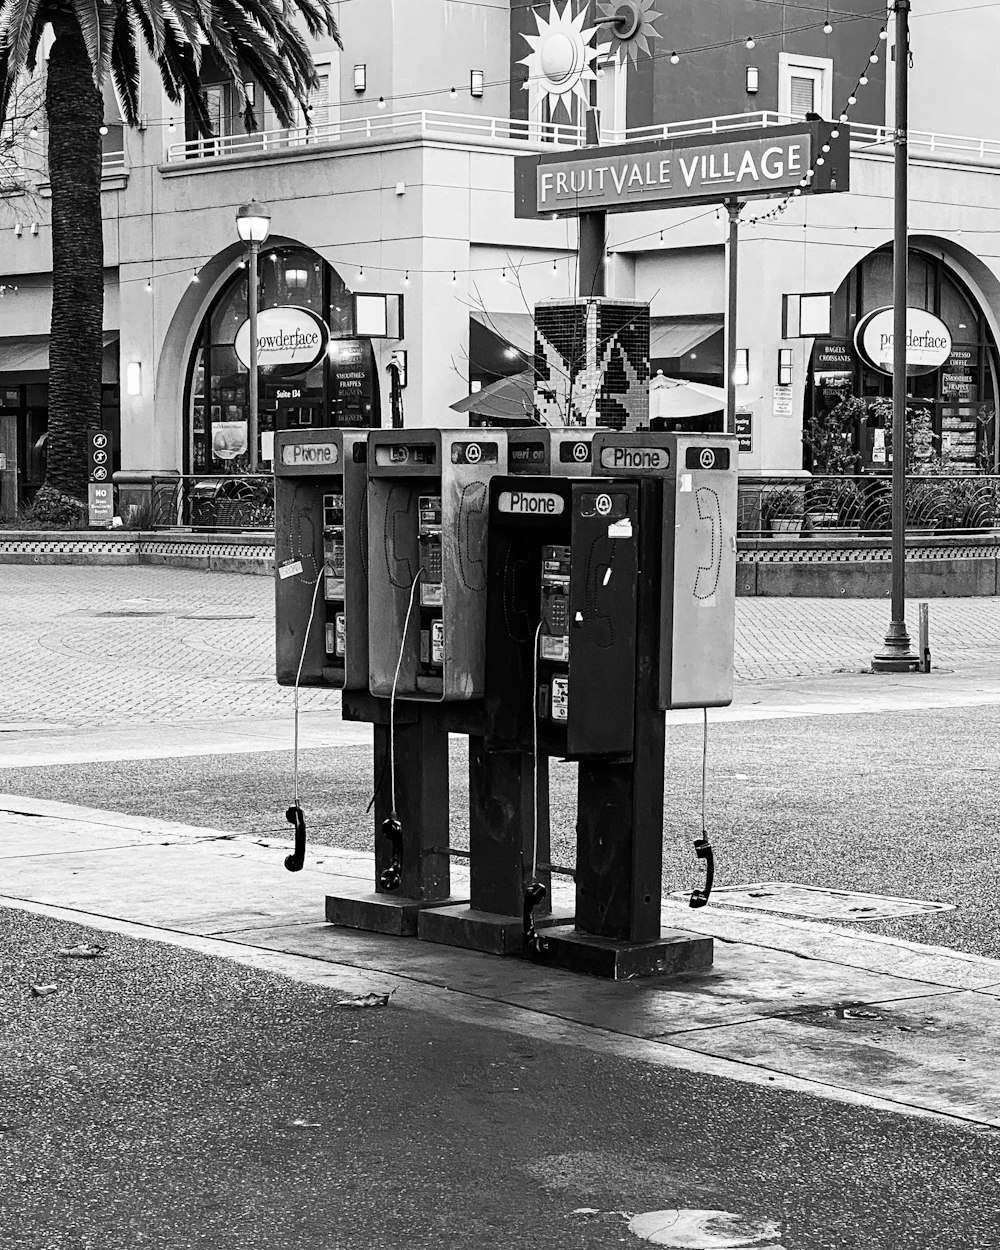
[(253, 222), (896, 656)]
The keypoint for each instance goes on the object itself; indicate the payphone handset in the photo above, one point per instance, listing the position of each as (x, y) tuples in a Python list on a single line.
[(427, 525), (321, 485), (551, 451), (699, 475), (562, 616)]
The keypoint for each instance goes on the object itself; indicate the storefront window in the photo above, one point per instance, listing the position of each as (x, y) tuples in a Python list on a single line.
[(959, 397), (342, 389)]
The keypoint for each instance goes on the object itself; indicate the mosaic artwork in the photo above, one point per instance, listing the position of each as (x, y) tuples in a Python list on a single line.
[(592, 363)]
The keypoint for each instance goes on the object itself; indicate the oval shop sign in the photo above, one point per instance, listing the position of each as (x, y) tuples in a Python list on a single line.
[(289, 339), (928, 340)]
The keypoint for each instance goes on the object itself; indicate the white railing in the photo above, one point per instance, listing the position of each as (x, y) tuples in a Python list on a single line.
[(322, 129), (111, 162), (420, 121)]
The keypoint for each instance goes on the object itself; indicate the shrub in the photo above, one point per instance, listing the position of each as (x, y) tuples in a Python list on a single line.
[(51, 509)]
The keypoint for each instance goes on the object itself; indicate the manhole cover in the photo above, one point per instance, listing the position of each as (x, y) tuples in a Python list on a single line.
[(818, 902)]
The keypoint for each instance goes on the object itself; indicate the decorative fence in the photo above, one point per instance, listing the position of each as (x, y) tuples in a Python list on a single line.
[(831, 507), (212, 503)]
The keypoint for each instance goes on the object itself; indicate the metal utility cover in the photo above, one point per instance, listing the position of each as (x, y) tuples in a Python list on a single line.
[(819, 903)]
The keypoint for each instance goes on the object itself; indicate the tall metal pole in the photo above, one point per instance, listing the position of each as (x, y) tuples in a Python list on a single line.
[(252, 300), (896, 655), (733, 208)]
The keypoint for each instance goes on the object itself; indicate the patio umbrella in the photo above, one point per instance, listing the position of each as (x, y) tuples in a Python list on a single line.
[(508, 399), (672, 397)]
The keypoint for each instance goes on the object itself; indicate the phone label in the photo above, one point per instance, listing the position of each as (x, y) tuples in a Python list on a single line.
[(531, 503), (309, 453)]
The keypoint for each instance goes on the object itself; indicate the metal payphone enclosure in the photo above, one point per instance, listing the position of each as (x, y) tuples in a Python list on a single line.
[(550, 451), (597, 522), (320, 489), (427, 512), (699, 476)]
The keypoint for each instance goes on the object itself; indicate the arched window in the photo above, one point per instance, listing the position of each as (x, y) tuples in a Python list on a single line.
[(217, 398)]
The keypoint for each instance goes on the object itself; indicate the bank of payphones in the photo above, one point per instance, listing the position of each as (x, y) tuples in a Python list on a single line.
[(321, 557), (556, 451), (560, 631), (698, 560), (427, 512)]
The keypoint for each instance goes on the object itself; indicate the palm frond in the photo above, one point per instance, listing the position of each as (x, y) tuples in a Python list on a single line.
[(17, 20), (149, 16), (125, 67), (88, 18), (319, 19)]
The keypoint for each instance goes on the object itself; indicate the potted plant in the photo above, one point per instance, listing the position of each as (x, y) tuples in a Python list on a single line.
[(829, 435), (781, 510), (847, 501)]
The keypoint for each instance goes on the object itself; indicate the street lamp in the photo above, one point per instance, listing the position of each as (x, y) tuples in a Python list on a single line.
[(253, 222)]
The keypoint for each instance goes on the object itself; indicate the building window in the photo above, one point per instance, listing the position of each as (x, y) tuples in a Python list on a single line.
[(805, 85), (612, 85)]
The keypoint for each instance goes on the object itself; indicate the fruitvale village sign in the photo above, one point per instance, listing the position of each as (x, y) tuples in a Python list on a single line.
[(811, 157)]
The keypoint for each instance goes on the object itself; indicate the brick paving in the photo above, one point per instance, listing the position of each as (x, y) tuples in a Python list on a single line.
[(90, 645)]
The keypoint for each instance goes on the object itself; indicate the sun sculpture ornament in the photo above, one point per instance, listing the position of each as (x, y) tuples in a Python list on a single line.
[(561, 58), (630, 25)]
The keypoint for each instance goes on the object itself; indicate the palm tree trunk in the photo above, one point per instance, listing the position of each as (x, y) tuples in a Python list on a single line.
[(75, 112)]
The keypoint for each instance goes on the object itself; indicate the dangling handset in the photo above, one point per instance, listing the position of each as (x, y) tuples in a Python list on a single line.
[(553, 639)]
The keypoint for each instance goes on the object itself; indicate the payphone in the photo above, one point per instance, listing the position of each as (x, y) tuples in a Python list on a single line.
[(697, 621), (556, 451), (321, 557), (562, 616), (427, 505)]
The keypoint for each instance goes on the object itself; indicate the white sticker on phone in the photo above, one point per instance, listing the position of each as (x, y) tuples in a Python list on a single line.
[(291, 568), (620, 529)]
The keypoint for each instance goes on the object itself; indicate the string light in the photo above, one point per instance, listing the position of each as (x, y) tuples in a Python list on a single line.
[(674, 58), (361, 274), (194, 276), (453, 93), (33, 132), (883, 33), (750, 43), (381, 101), (554, 269), (149, 285), (406, 278), (503, 275), (454, 276)]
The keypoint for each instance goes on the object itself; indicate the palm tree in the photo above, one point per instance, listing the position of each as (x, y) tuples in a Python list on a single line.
[(94, 38)]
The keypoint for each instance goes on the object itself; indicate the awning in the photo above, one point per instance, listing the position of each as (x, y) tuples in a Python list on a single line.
[(510, 399), (30, 354), (517, 329), (673, 397), (676, 336)]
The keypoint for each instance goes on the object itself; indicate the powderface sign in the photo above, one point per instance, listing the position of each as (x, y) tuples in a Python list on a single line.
[(928, 340), (290, 339), (696, 169)]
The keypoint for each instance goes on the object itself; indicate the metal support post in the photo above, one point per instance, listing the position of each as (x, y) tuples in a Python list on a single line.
[(896, 655), (733, 208), (252, 299)]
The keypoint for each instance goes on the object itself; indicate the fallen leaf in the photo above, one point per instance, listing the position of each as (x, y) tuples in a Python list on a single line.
[(85, 950), (367, 1000), (585, 1211), (43, 991), (305, 1124)]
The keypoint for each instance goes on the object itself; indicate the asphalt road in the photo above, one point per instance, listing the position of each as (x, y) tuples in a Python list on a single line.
[(167, 1099), (898, 803)]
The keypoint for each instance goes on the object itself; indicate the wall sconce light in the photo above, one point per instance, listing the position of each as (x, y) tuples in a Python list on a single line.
[(133, 378), (296, 279), (784, 366), (476, 83), (741, 371), (753, 80), (361, 77)]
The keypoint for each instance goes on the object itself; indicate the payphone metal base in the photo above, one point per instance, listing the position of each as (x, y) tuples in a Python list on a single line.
[(484, 931), (382, 913), (673, 952)]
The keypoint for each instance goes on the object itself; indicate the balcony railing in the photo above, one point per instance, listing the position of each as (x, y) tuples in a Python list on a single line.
[(324, 127), (860, 507), (415, 122)]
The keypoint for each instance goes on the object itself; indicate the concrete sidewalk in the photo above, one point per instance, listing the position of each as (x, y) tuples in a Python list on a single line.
[(802, 1006)]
